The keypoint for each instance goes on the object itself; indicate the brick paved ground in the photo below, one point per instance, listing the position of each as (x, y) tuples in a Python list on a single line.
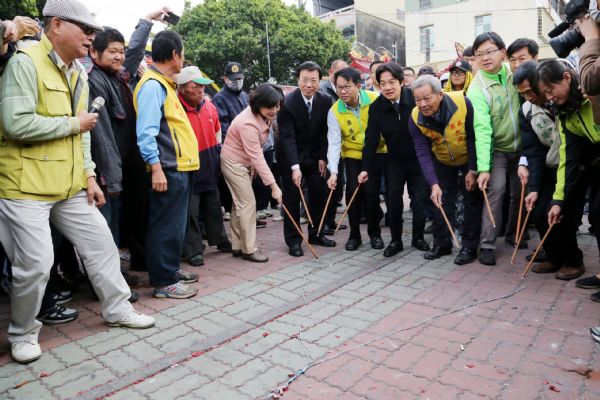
[(384, 329)]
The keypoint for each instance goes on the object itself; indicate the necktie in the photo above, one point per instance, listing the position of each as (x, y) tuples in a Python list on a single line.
[(309, 106), (397, 108)]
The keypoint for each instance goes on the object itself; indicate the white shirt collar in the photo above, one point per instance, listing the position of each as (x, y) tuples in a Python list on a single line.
[(307, 100)]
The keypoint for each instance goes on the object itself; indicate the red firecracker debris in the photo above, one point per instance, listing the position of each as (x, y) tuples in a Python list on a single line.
[(470, 366), (265, 334)]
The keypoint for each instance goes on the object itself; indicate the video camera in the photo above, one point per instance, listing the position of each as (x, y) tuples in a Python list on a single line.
[(564, 42)]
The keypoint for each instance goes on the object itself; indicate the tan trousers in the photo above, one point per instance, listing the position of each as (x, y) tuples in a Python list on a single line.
[(243, 212), (25, 235)]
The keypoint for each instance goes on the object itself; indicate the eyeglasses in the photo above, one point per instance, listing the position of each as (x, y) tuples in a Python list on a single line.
[(488, 53), (458, 72), (305, 81), (84, 28), (345, 88)]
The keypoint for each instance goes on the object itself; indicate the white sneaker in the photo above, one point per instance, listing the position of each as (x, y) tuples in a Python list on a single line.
[(25, 352), (134, 320), (227, 216)]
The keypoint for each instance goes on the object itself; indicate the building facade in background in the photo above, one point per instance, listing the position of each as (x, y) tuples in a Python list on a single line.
[(376, 24), (433, 27)]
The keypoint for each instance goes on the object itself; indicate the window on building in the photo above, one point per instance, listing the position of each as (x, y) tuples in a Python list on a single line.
[(425, 3), (483, 23), (426, 38)]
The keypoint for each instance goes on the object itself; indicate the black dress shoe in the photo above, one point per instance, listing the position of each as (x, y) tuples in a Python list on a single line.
[(393, 249), (420, 244), (296, 250), (322, 241), (353, 244), (327, 230), (465, 256), (541, 256), (342, 227), (487, 256), (437, 252), (377, 243)]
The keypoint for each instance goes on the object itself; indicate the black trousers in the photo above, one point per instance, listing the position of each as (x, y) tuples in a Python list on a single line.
[(262, 193), (134, 212), (561, 245), (473, 203), (399, 173), (225, 194), (338, 193), (367, 197), (205, 207), (317, 196)]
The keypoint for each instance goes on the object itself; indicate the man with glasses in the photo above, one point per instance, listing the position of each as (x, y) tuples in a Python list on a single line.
[(497, 137), (347, 121), (301, 153), (47, 175)]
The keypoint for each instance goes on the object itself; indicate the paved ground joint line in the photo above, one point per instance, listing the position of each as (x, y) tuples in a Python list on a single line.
[(160, 365)]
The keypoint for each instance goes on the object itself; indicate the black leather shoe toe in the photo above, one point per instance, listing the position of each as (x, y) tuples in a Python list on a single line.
[(353, 244), (393, 249), (420, 244), (377, 243), (437, 252), (296, 250)]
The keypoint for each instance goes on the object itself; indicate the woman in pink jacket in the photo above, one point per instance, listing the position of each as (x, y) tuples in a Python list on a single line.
[(241, 157)]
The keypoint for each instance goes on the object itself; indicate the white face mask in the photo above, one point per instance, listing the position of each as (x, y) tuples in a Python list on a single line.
[(236, 85)]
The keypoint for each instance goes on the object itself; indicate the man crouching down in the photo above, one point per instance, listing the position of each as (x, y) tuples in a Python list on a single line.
[(47, 175)]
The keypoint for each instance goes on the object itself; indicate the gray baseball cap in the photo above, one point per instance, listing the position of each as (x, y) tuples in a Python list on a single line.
[(70, 10)]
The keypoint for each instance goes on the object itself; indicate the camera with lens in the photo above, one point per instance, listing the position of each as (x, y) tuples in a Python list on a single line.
[(564, 42)]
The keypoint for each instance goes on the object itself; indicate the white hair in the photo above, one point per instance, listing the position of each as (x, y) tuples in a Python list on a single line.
[(428, 80)]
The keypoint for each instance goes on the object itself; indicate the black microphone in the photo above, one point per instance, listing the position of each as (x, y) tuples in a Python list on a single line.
[(560, 28), (97, 104)]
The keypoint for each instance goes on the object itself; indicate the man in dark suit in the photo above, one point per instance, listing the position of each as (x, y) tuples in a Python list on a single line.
[(388, 117), (302, 152)]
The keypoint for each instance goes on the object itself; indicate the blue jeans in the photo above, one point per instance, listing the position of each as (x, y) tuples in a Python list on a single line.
[(167, 220)]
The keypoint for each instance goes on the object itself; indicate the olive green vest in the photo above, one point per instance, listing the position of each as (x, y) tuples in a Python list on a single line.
[(50, 170)]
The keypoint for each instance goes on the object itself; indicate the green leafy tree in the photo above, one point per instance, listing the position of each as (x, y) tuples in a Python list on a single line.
[(11, 8), (219, 31)]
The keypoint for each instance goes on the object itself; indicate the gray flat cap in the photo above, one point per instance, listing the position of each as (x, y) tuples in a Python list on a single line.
[(70, 10)]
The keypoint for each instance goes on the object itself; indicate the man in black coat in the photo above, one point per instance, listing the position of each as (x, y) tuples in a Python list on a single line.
[(302, 152), (388, 117)]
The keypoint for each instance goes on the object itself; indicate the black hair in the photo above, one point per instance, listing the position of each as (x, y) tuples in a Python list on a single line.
[(105, 37), (468, 52), (492, 37), (309, 66), (393, 69), (349, 74), (532, 47), (265, 95), (375, 63), (409, 69), (528, 71), (552, 72), (163, 45)]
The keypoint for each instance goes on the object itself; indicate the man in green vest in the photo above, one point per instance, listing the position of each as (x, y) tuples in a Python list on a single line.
[(346, 123), (47, 175), (497, 138)]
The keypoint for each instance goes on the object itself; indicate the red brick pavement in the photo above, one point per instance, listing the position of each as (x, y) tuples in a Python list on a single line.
[(220, 271), (533, 345)]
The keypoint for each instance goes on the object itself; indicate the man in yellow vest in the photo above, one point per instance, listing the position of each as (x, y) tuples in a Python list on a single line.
[(442, 129), (168, 145), (47, 175), (347, 122)]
